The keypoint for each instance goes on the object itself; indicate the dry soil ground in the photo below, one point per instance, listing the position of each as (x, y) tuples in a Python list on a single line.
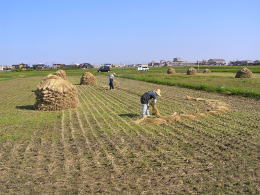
[(97, 148)]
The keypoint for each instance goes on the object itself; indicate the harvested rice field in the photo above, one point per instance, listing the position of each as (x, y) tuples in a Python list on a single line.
[(98, 147)]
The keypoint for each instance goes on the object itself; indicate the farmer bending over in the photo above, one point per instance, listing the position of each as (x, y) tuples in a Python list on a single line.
[(145, 98), (111, 80)]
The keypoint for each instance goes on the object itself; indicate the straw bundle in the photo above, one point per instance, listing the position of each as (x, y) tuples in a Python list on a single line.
[(55, 93), (244, 73), (191, 71), (206, 71), (155, 110), (171, 71), (61, 73), (88, 79)]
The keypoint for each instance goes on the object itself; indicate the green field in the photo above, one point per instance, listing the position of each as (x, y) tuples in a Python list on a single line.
[(97, 147), (221, 80)]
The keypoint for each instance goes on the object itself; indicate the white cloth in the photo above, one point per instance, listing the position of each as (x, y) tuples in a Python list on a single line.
[(110, 77)]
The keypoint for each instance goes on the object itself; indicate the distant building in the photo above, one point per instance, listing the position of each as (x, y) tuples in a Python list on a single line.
[(177, 60), (241, 62), (203, 62), (163, 63), (116, 65), (21, 66), (86, 65), (58, 65), (153, 63), (72, 66), (216, 62), (39, 66), (6, 67)]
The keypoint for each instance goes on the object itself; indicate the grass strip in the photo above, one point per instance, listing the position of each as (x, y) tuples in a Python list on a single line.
[(204, 87)]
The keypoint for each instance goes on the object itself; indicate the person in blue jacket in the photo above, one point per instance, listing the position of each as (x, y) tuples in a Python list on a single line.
[(145, 98)]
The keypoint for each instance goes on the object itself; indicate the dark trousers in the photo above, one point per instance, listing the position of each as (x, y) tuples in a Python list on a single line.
[(111, 85)]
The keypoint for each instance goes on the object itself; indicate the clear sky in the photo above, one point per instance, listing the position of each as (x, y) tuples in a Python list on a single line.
[(127, 31)]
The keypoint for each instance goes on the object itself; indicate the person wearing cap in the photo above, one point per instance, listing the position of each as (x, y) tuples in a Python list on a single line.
[(111, 80), (145, 98)]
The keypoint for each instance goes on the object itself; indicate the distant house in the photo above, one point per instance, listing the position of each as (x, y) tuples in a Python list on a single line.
[(203, 62), (58, 65), (163, 63), (177, 60), (154, 64), (1, 68), (39, 66), (6, 67), (241, 62), (20, 66), (72, 66), (116, 65), (216, 62), (107, 64), (86, 65)]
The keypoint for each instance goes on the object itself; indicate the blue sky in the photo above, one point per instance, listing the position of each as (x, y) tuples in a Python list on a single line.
[(127, 31)]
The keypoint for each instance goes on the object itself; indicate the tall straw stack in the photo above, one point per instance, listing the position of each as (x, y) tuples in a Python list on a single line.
[(55, 93), (88, 79), (61, 73)]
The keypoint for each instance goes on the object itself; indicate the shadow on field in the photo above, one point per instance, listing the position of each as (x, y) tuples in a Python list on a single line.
[(129, 115), (27, 107)]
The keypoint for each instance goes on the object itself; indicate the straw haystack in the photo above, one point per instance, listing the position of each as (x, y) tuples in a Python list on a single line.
[(244, 73), (61, 73), (88, 79), (155, 110), (171, 71), (55, 93), (213, 107), (206, 71), (116, 83), (191, 71)]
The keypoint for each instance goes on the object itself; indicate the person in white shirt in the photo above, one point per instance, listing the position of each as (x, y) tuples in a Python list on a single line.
[(111, 80)]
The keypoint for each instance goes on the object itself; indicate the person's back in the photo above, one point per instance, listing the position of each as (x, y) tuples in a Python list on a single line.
[(110, 81), (145, 98)]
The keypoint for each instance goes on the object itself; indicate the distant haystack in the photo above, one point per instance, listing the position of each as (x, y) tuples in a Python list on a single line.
[(171, 71), (55, 93), (244, 73), (88, 79), (61, 73), (191, 71), (206, 71)]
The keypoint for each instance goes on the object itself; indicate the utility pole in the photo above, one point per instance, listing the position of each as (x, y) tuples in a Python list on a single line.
[(198, 65)]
